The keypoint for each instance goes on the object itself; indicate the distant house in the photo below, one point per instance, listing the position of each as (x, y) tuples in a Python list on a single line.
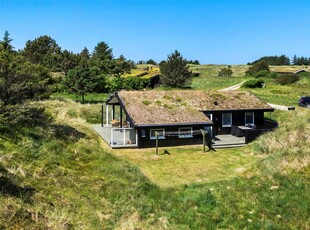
[(155, 81), (132, 118), (287, 72), (300, 71), (196, 73)]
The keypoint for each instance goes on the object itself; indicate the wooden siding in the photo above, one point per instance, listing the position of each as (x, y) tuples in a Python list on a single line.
[(170, 140), (238, 118)]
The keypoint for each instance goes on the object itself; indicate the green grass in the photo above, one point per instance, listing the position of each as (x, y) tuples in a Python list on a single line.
[(62, 176), (89, 98), (273, 93), (188, 165), (283, 94), (209, 79), (215, 83)]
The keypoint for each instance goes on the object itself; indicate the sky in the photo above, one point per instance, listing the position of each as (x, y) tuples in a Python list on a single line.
[(213, 32)]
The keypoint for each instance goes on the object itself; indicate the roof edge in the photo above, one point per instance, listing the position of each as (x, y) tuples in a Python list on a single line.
[(174, 124)]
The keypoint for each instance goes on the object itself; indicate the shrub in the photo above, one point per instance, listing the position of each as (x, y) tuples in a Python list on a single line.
[(273, 75), (225, 72), (129, 83), (304, 74), (257, 67), (265, 73), (255, 83), (287, 79), (146, 102), (262, 73)]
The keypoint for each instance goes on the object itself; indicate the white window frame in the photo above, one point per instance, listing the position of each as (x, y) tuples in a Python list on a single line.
[(159, 137), (211, 116), (185, 135), (253, 117), (226, 125)]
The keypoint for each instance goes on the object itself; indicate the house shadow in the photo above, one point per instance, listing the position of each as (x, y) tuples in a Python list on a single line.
[(10, 188)]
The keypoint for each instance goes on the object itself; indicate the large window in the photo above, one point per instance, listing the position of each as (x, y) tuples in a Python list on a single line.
[(249, 118), (161, 133), (226, 119), (186, 132)]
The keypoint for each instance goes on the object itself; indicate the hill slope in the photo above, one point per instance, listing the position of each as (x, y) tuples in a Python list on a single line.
[(60, 177)]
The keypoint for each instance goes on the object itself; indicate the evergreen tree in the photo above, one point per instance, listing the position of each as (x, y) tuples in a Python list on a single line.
[(20, 82), (6, 42), (294, 60), (120, 66), (175, 72), (196, 62), (85, 54), (83, 80), (84, 57), (102, 52), (151, 62), (43, 50), (273, 60), (68, 61), (102, 57)]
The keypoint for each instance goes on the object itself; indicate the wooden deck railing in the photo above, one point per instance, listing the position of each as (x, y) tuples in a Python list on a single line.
[(252, 134)]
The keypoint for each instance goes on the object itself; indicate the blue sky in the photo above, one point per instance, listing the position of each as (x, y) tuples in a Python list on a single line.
[(214, 32)]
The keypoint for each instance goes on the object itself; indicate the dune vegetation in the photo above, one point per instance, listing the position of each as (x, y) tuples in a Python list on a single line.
[(62, 176), (56, 173)]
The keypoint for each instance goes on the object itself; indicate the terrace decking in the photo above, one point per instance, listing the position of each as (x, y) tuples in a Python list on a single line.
[(228, 141), (117, 137), (121, 138)]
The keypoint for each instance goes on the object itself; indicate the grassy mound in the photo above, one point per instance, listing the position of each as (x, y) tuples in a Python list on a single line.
[(288, 148), (61, 177)]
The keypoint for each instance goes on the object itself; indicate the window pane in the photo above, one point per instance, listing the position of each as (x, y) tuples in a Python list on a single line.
[(226, 119), (185, 132), (249, 118), (161, 133)]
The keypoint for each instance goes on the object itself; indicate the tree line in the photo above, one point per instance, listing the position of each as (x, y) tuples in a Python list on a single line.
[(85, 72), (283, 60), (27, 75)]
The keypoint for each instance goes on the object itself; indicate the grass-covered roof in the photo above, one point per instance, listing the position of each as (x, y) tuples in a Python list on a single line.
[(184, 106)]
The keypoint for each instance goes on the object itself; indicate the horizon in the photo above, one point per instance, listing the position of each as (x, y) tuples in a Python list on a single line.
[(213, 32)]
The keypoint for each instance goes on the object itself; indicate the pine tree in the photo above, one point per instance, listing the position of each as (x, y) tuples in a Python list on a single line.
[(20, 83), (102, 52), (174, 71), (6, 42)]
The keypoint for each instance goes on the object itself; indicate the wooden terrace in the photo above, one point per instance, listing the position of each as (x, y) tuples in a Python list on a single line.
[(126, 138)]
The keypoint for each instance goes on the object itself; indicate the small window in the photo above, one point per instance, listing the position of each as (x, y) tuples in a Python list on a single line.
[(143, 134), (186, 132), (210, 116), (249, 118), (160, 136), (226, 119)]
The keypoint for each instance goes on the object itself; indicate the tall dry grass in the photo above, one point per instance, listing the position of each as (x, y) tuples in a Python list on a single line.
[(287, 148)]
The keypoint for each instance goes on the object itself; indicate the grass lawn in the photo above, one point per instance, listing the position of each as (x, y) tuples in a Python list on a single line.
[(215, 83), (188, 164), (273, 93), (89, 98), (62, 176), (283, 94)]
